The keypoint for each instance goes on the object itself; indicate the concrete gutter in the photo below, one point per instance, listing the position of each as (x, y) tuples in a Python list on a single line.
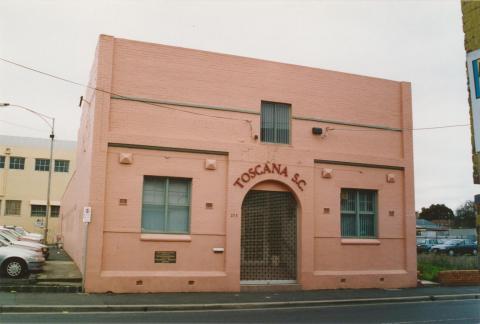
[(224, 306)]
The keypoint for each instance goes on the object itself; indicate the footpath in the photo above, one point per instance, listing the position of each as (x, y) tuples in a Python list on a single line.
[(14, 302), (57, 289)]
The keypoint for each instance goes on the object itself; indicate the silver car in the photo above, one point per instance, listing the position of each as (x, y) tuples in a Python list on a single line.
[(26, 247), (8, 236), (28, 238), (17, 263), (20, 230)]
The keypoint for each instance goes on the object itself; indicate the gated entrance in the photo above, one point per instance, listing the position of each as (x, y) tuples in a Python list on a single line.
[(269, 238)]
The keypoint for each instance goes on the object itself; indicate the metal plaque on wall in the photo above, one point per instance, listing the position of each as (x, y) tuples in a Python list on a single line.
[(165, 257)]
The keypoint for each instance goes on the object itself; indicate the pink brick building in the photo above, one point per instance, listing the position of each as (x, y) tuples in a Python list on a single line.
[(213, 172)]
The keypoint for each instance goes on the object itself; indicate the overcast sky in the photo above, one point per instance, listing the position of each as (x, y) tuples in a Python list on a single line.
[(416, 41)]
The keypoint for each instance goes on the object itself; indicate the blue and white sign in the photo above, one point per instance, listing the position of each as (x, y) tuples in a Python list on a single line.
[(87, 214), (473, 68)]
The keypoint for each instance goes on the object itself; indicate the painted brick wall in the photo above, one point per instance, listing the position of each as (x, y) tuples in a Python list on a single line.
[(459, 277), (159, 72)]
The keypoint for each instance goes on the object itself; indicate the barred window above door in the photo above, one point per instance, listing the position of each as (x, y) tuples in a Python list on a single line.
[(166, 205), (358, 213), (275, 122)]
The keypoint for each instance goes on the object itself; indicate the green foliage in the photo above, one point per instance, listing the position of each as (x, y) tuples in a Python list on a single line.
[(430, 265), (436, 211), (465, 215), (429, 271)]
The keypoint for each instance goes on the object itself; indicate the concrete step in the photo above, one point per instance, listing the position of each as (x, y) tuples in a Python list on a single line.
[(4, 281), (58, 279), (270, 288), (43, 288)]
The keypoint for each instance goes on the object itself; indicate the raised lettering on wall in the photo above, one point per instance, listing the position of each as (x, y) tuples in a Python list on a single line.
[(269, 168)]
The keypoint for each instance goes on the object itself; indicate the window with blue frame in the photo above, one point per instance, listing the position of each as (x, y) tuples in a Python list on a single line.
[(42, 164), (476, 77), (17, 163), (54, 211), (166, 205), (358, 213), (38, 210), (62, 165)]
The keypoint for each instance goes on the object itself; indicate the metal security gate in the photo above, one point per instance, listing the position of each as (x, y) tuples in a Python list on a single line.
[(269, 238)]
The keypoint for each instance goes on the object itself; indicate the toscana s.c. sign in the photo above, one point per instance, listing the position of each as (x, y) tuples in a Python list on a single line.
[(269, 168)]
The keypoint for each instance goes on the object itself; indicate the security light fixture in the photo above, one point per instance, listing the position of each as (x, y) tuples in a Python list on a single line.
[(317, 131)]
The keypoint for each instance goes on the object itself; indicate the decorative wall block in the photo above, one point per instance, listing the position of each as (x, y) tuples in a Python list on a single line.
[(210, 164), (126, 158), (327, 173), (390, 178)]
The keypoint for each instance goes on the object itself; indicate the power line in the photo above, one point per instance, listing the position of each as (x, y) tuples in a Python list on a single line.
[(207, 115), (405, 129), (111, 93), (22, 126)]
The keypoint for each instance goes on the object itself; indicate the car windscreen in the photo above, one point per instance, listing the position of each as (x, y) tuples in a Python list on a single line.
[(13, 233), (8, 235), (20, 231), (4, 241), (5, 238)]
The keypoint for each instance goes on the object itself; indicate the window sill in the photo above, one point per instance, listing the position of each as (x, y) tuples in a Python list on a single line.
[(359, 241), (272, 143), (165, 237)]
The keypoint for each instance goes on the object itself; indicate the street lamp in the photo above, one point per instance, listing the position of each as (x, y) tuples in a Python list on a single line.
[(50, 121)]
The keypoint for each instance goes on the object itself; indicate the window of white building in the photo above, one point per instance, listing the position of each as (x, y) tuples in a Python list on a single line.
[(42, 164), (17, 163), (13, 207), (62, 165)]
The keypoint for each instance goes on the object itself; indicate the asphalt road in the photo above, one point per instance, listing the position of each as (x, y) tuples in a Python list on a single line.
[(460, 311)]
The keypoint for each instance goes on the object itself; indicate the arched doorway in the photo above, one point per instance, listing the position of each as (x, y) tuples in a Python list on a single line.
[(268, 238)]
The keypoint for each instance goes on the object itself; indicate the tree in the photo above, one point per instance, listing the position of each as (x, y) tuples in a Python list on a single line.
[(465, 215), (436, 211)]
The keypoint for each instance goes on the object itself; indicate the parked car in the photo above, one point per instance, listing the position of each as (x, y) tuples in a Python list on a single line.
[(36, 250), (29, 238), (424, 245), (10, 237), (456, 247), (17, 262), (20, 230)]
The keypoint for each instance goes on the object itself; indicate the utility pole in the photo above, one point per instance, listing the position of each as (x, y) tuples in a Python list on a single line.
[(52, 137), (50, 121)]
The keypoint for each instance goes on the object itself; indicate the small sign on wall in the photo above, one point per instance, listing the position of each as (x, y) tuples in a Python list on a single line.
[(165, 257), (39, 223), (473, 69), (87, 214)]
